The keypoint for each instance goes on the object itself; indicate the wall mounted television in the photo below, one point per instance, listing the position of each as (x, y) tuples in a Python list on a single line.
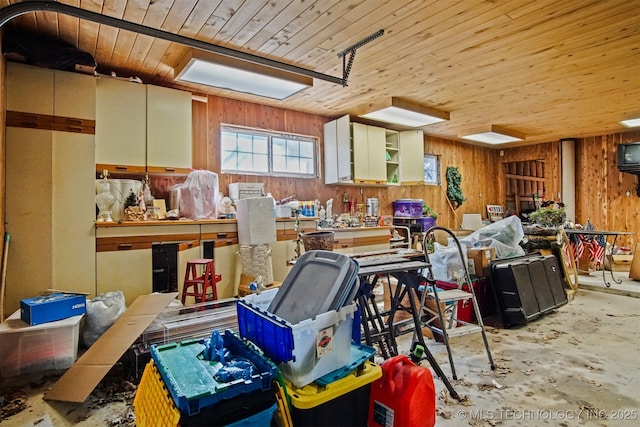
[(629, 157)]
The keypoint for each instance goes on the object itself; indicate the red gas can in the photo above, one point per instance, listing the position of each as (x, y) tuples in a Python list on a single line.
[(404, 396)]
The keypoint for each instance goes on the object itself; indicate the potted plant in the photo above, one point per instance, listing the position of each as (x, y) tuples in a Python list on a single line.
[(548, 216)]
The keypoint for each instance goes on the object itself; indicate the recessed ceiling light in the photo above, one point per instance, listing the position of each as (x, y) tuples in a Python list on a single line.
[(493, 134), (240, 76), (631, 123), (406, 113)]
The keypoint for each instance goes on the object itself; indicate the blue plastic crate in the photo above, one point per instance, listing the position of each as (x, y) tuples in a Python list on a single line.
[(190, 378), (261, 419)]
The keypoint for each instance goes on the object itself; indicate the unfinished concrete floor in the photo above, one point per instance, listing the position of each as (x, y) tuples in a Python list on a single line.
[(575, 367)]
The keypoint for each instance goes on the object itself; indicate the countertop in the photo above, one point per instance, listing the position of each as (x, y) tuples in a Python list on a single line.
[(185, 221)]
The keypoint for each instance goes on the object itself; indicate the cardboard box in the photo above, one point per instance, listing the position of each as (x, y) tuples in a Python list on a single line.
[(49, 308), (479, 260), (618, 262), (80, 380)]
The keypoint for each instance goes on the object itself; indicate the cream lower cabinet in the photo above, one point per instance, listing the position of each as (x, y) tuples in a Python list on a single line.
[(127, 270), (229, 266), (281, 253), (50, 212)]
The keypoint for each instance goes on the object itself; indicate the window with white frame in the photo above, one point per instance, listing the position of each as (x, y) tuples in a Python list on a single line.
[(261, 152), (431, 169)]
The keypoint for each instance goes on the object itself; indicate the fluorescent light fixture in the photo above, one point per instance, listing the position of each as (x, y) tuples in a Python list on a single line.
[(406, 113), (241, 76), (631, 123), (493, 135)]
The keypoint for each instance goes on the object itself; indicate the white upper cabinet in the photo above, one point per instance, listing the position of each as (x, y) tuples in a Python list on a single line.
[(337, 151), (411, 147), (168, 129), (142, 127), (30, 89), (355, 153), (121, 124), (369, 163), (74, 95)]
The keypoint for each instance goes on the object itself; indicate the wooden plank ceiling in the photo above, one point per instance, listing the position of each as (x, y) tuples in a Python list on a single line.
[(549, 69)]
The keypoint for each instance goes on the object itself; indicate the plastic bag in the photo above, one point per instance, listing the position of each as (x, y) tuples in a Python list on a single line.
[(446, 263), (504, 235), (199, 195), (102, 312)]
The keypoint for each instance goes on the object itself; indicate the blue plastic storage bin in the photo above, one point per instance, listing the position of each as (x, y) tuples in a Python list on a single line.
[(190, 378), (304, 351)]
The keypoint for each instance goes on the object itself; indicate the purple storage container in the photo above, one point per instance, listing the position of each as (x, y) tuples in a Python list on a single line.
[(427, 222), (409, 208)]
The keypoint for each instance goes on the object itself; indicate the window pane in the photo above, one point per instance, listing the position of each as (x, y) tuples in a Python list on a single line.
[(230, 160), (306, 149), (245, 161), (261, 163), (245, 143), (293, 164), (261, 145), (263, 152), (279, 145), (306, 166), (229, 141), (279, 163), (293, 148)]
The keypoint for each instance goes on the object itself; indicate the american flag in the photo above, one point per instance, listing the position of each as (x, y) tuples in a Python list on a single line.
[(597, 245), (576, 246), (597, 249)]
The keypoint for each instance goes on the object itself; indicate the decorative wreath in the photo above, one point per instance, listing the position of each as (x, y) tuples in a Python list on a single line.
[(454, 191)]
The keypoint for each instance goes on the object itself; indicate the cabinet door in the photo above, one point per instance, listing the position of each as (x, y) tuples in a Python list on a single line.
[(29, 89), (228, 265), (343, 139), (73, 209), (130, 271), (121, 124), (377, 158), (168, 129), (360, 152), (28, 213), (369, 161), (411, 157), (330, 142), (74, 95)]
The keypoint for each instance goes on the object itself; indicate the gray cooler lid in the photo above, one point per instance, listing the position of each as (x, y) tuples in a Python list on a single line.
[(320, 281)]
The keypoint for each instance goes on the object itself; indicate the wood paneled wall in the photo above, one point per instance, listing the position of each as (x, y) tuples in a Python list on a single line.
[(601, 193), (600, 188), (479, 184)]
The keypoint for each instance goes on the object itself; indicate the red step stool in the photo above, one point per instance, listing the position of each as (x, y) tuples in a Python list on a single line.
[(200, 284)]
